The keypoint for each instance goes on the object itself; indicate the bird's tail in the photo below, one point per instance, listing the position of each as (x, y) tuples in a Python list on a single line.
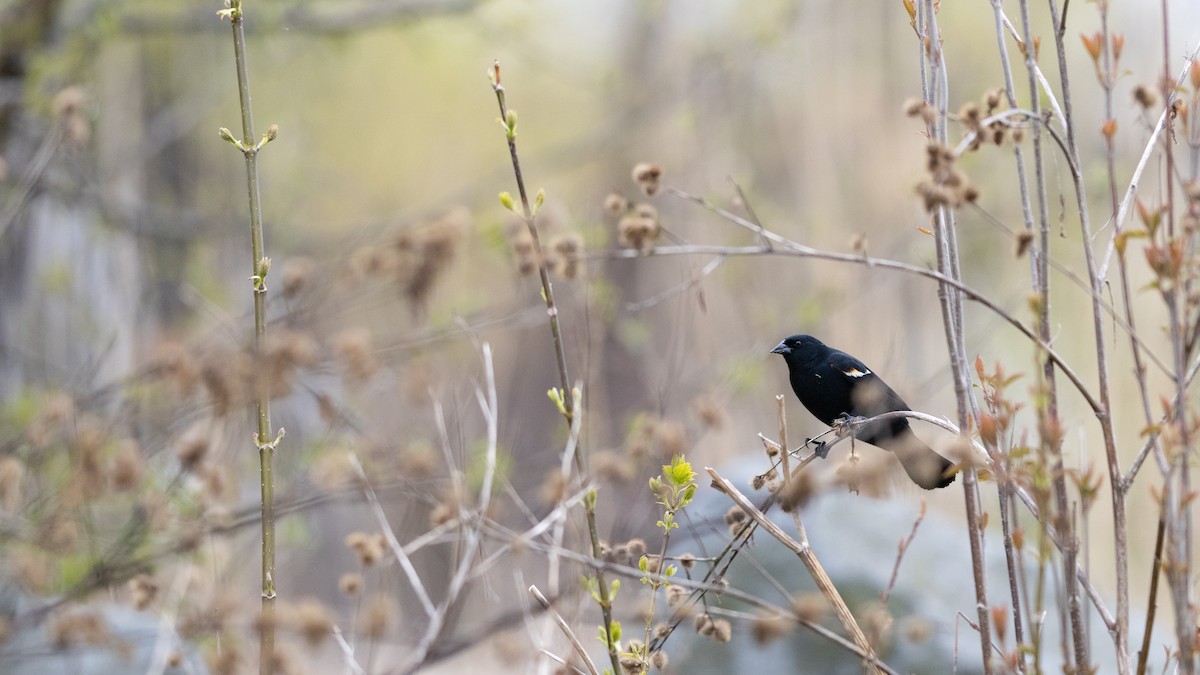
[(924, 466)]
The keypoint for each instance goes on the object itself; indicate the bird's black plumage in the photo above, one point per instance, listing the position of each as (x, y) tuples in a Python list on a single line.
[(831, 384)]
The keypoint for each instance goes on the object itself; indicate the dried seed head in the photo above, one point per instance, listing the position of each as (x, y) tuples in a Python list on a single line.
[(648, 175), (796, 491), (877, 621), (567, 261), (378, 616), (916, 629), (768, 627), (554, 487), (142, 591), (612, 466), (969, 115), (228, 661), (722, 630), (296, 274), (350, 583), (676, 595), (670, 437), (615, 204), (442, 514), (735, 515), (368, 547), (177, 366), (193, 446), (312, 621), (332, 470), (859, 475), (127, 466), (991, 100), (427, 253), (68, 101), (809, 607), (913, 107), (1024, 241), (1145, 97), (52, 417), (353, 347), (637, 232), (709, 411), (636, 547), (858, 243)]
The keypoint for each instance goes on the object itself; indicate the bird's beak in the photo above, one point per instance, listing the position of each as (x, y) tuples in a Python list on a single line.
[(781, 348)]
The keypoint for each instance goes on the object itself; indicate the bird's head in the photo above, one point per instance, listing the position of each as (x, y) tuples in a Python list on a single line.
[(799, 348)]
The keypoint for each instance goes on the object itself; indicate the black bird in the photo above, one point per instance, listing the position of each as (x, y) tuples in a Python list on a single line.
[(832, 384)]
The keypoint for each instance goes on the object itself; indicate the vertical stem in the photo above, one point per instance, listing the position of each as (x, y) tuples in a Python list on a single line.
[(952, 318), (561, 359), (1004, 487), (1152, 597), (1177, 493), (1039, 265), (1105, 416), (262, 397)]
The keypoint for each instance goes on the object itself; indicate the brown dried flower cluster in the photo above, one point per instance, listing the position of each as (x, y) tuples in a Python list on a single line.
[(413, 259), (368, 546), (565, 257), (354, 349), (648, 176), (563, 253), (717, 629), (947, 186), (639, 228), (68, 106)]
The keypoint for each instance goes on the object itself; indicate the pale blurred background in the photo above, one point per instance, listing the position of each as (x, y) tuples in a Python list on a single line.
[(129, 237)]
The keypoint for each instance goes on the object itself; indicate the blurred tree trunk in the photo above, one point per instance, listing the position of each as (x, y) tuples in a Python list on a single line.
[(70, 283)]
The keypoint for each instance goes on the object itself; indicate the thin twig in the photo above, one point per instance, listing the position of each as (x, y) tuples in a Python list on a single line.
[(901, 548), (565, 628), (397, 549), (347, 651), (509, 120), (806, 555), (489, 407), (1135, 179)]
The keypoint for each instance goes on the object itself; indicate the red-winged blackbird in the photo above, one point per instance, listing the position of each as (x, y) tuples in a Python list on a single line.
[(833, 384)]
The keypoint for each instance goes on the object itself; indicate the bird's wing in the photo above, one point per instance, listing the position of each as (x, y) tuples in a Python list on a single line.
[(873, 395), (848, 365)]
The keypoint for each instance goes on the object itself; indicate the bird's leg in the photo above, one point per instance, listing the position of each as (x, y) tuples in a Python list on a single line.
[(820, 448), (843, 425)]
